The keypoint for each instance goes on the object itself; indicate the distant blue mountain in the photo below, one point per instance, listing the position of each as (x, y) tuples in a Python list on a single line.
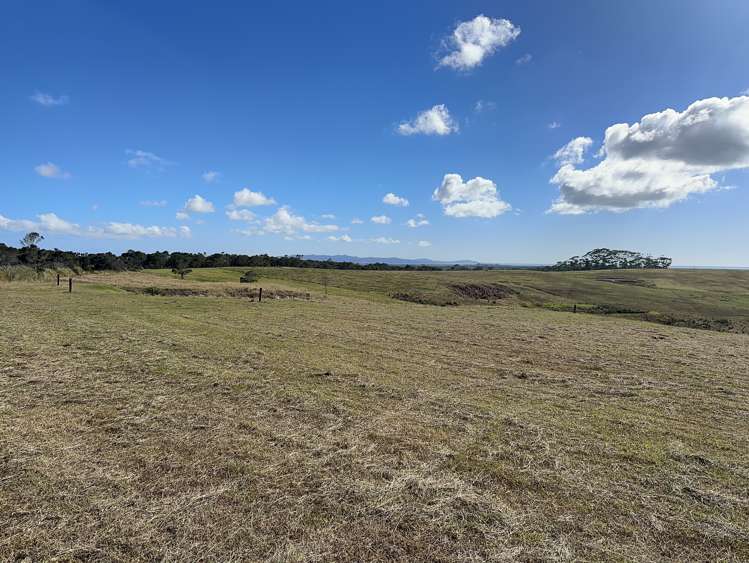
[(392, 261)]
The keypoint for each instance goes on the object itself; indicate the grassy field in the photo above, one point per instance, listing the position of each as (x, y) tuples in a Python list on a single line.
[(361, 427), (717, 299)]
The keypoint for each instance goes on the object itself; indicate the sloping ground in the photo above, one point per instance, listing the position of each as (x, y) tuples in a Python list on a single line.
[(711, 299), (147, 427)]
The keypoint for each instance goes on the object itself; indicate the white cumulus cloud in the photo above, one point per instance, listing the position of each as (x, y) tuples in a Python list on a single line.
[(662, 159), (198, 204), (434, 121), (472, 41), (247, 198), (392, 199), (381, 219), (50, 223), (574, 151), (285, 222), (478, 197), (51, 170)]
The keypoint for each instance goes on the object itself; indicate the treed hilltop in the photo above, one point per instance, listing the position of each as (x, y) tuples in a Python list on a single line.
[(607, 259)]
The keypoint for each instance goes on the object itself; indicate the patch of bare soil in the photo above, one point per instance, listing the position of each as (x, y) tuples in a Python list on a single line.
[(628, 281), (488, 292), (421, 299)]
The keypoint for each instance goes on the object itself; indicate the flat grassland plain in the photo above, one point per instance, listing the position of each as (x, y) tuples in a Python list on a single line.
[(145, 417)]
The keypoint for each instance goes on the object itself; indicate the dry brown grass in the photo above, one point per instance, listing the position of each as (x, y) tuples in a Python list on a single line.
[(138, 427)]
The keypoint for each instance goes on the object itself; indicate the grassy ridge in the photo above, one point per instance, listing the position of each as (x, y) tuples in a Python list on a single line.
[(668, 295)]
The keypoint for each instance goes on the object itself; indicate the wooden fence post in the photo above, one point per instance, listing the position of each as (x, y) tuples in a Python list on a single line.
[(70, 285), (260, 295), (58, 279), (574, 308)]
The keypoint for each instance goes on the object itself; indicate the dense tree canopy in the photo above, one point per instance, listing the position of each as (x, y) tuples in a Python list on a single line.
[(607, 259), (136, 260)]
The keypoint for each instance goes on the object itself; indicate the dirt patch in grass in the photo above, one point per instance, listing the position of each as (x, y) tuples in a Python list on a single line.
[(251, 293), (422, 299), (628, 281), (483, 291)]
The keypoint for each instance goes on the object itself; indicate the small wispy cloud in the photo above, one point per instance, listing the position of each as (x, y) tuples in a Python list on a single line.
[(153, 203), (211, 176), (524, 60), (356, 221), (342, 238), (483, 106), (419, 221), (554, 125), (147, 160), (424, 243), (48, 100), (51, 170), (385, 240), (240, 215), (381, 220)]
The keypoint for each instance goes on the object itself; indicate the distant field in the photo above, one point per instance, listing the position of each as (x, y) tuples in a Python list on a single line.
[(717, 299), (145, 417)]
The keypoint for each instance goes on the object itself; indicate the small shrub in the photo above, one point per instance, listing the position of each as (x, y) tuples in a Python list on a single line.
[(249, 277)]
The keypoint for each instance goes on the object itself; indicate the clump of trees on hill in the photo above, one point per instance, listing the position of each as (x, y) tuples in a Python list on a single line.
[(607, 259)]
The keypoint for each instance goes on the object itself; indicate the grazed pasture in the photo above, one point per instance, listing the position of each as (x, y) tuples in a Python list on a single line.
[(361, 427)]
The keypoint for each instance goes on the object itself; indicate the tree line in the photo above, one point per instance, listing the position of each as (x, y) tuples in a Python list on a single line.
[(31, 255)]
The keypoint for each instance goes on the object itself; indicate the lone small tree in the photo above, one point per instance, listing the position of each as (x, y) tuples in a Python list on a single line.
[(31, 240), (181, 272), (30, 252)]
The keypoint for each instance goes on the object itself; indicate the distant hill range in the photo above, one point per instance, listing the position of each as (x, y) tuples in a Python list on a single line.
[(392, 261), (411, 261)]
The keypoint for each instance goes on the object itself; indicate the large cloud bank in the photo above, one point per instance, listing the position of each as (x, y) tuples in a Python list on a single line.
[(662, 159)]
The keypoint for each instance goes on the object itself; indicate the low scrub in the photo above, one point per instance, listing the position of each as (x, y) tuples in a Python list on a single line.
[(27, 273)]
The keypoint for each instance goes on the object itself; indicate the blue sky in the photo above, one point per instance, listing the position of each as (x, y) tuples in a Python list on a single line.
[(113, 113)]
